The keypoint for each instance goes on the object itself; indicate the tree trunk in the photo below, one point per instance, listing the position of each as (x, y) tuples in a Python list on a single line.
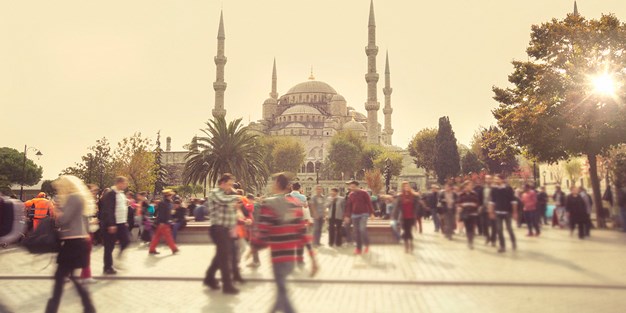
[(595, 185)]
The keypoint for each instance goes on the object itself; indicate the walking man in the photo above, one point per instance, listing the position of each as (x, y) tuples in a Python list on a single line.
[(448, 200), (558, 215), (542, 205), (223, 215), (282, 228), (317, 207), (336, 204), (114, 214), (503, 207), (359, 208), (432, 200)]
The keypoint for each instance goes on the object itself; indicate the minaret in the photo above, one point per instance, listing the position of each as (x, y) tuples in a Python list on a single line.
[(388, 131), (220, 60), (372, 105), (274, 93), (575, 8)]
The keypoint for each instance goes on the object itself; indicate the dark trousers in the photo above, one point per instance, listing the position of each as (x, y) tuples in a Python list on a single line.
[(436, 221), (57, 291), (223, 243), (407, 228), (582, 228), (490, 228), (542, 211), (505, 219), (532, 221), (470, 223), (281, 271), (335, 232), (120, 235), (235, 258)]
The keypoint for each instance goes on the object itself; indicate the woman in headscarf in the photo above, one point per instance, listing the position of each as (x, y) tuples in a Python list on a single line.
[(74, 205)]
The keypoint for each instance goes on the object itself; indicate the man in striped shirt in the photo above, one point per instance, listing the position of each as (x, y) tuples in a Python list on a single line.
[(281, 227)]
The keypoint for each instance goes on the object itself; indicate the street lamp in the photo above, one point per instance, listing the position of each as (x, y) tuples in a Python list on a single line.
[(317, 174), (38, 154), (544, 178), (205, 164), (387, 174)]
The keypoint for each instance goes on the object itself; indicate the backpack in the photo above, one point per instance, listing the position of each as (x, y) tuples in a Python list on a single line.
[(45, 238)]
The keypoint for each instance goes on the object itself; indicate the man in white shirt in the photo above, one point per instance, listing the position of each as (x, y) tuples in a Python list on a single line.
[(114, 220)]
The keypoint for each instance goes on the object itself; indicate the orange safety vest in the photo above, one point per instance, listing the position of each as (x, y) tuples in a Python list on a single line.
[(42, 207)]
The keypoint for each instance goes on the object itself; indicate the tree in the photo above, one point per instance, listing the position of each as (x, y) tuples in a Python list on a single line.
[(470, 163), (618, 169), (447, 163), (46, 186), (159, 170), (551, 110), (226, 148), (345, 153), (422, 149), (283, 154), (374, 179), (396, 162), (498, 152), (134, 159), (369, 155), (13, 170), (96, 166), (573, 168)]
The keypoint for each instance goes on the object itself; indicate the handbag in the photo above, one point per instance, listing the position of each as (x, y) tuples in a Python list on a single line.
[(44, 239)]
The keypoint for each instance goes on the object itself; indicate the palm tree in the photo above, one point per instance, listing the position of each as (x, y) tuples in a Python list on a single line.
[(227, 148)]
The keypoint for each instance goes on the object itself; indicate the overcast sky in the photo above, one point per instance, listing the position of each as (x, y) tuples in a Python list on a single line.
[(75, 71)]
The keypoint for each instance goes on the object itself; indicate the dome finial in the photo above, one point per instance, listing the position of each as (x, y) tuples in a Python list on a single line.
[(311, 77)]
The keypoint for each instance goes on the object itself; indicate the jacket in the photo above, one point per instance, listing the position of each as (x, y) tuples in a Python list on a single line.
[(40, 206), (107, 209), (72, 223), (340, 207), (359, 203), (418, 207)]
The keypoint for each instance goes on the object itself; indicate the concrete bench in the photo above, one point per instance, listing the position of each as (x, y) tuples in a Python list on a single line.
[(379, 232)]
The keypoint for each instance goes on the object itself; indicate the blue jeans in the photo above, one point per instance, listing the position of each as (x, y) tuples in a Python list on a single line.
[(532, 221), (281, 271), (623, 213), (317, 230), (360, 229), (175, 228)]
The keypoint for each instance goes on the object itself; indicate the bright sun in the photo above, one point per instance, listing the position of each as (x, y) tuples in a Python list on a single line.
[(604, 84)]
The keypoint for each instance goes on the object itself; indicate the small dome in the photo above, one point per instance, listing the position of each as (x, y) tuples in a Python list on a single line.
[(354, 126), (312, 86), (270, 101), (295, 125), (338, 97), (301, 109)]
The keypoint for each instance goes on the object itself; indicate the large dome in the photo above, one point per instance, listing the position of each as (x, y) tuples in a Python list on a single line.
[(312, 86)]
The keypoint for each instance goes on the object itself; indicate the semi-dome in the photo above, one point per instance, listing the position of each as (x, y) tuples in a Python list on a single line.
[(295, 125), (312, 86), (354, 126), (338, 97), (301, 109), (270, 101)]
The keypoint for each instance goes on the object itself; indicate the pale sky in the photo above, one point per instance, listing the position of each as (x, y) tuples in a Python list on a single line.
[(72, 72)]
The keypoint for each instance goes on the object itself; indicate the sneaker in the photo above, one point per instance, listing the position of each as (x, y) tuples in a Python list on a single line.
[(176, 251), (230, 291), (357, 251), (88, 281), (110, 271), (254, 264), (213, 284), (154, 252)]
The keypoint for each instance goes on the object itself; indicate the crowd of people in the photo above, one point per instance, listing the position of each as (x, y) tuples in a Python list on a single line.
[(287, 222)]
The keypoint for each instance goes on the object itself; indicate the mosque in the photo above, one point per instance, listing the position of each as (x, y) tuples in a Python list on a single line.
[(313, 111)]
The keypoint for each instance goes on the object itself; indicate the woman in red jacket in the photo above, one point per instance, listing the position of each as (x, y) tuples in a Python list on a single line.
[(409, 204)]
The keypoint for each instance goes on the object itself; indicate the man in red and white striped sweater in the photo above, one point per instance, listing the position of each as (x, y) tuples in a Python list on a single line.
[(281, 227)]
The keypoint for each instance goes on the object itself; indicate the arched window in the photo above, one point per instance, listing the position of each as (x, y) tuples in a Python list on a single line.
[(310, 167), (303, 169)]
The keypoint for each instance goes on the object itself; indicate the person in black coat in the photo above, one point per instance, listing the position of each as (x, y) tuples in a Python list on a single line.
[(577, 211), (542, 204)]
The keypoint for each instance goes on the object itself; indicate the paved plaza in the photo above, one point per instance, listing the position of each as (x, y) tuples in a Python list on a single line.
[(553, 273)]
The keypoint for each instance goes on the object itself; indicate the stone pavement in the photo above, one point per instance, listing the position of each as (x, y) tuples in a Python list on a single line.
[(553, 273)]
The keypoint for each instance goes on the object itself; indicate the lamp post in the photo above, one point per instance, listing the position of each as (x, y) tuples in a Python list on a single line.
[(205, 164), (387, 174), (544, 178), (317, 174), (38, 154)]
